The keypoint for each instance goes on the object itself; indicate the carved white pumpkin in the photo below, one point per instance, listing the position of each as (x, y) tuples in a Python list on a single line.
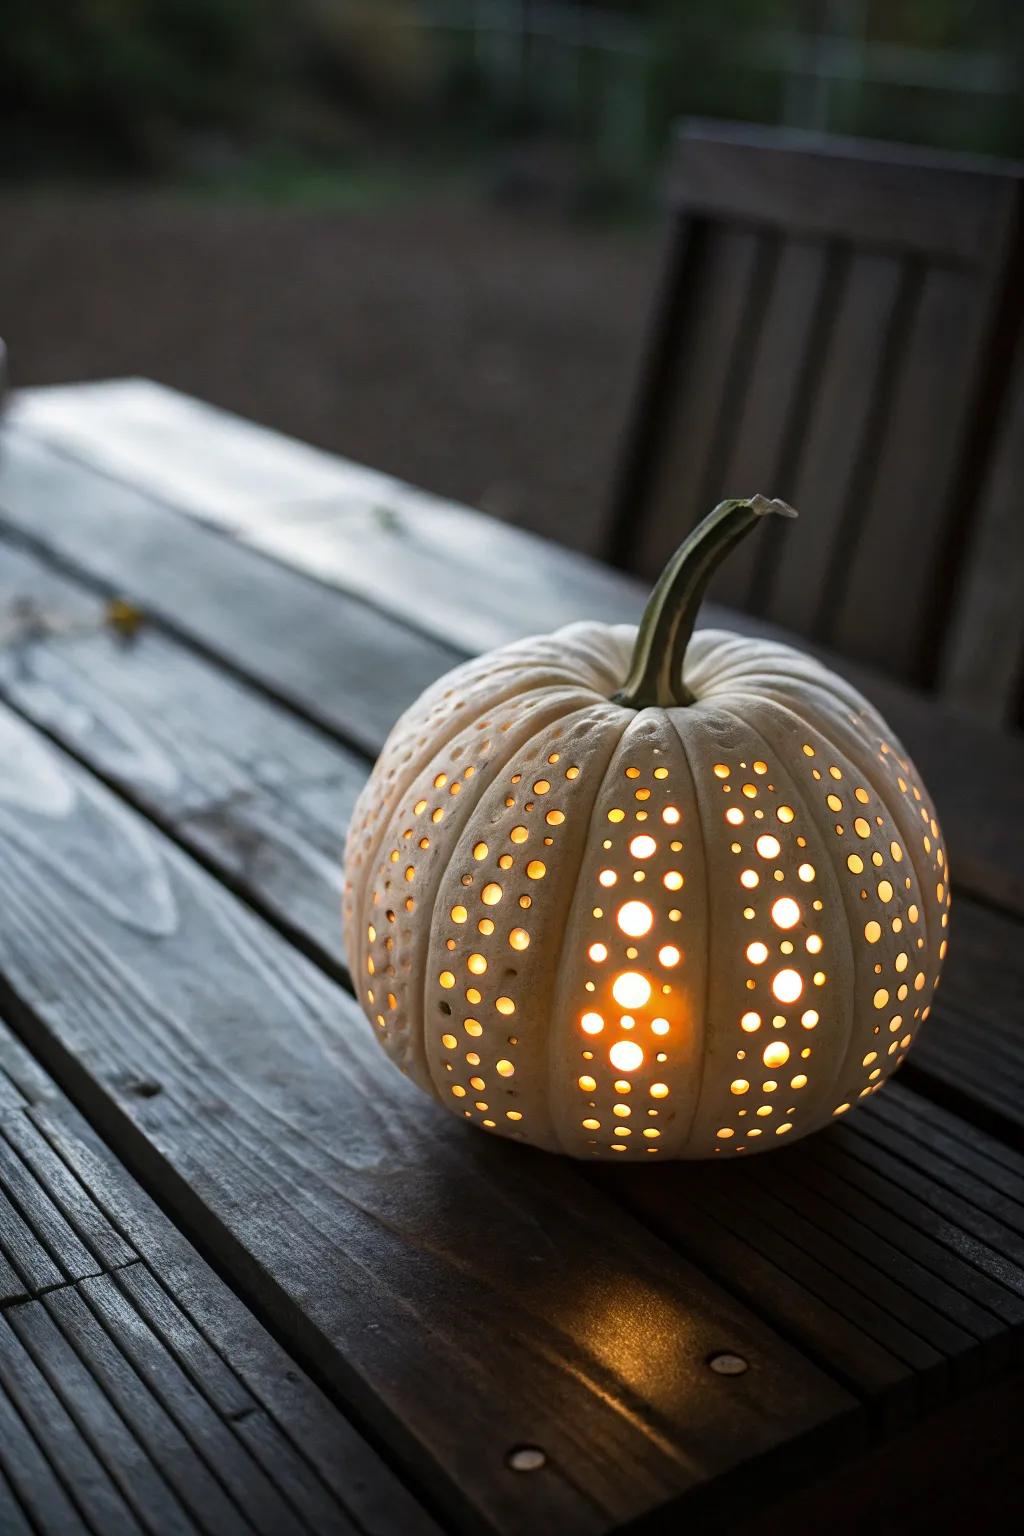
[(623, 893)]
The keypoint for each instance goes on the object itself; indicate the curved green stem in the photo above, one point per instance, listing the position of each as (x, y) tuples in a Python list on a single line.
[(656, 673)]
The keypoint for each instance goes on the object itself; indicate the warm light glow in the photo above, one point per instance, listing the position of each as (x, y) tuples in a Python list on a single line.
[(659, 1026), (809, 1019), (750, 1022), (659, 1090), (592, 1023), (504, 1068), (776, 1054), (459, 914), (607, 877), (785, 912), (519, 938), (635, 918), (598, 952), (734, 816), (505, 1005), (673, 881), (739, 1085), (631, 989), (643, 846), (477, 964), (536, 870), (872, 931), (491, 894), (749, 878), (787, 985), (669, 955), (768, 846), (670, 816), (757, 953), (806, 872), (626, 1056)]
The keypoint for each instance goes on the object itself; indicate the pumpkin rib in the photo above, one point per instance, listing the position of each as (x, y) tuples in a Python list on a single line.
[(705, 1015), (890, 797), (553, 1071), (815, 814)]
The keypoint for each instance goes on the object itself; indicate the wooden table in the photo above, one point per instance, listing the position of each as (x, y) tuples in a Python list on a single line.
[(250, 1279)]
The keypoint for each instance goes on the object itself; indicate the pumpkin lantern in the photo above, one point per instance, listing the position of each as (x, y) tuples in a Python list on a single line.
[(635, 893)]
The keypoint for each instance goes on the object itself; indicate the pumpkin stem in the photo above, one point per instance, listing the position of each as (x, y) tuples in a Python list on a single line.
[(656, 673)]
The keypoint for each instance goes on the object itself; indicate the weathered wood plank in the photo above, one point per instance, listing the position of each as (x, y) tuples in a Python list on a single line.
[(417, 1262), (478, 582), (248, 786), (199, 1420), (325, 652)]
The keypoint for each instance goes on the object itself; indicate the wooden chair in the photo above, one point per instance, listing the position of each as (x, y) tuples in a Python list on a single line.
[(836, 326)]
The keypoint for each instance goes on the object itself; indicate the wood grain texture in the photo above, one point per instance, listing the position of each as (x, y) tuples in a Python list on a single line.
[(417, 1263), (169, 1405), (268, 622), (416, 556), (249, 787)]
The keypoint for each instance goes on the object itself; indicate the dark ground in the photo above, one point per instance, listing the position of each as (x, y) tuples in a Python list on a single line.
[(484, 354)]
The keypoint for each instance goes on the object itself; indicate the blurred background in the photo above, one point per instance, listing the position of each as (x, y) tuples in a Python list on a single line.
[(421, 233)]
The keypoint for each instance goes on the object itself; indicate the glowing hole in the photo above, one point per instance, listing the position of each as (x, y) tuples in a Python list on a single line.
[(446, 979), (626, 1056), (785, 912), (588, 1084), (734, 816), (776, 1054), (669, 955), (480, 851), (459, 914), (519, 835), (806, 872), (607, 877), (885, 891), (659, 1026), (491, 894), (670, 816), (750, 1022), (631, 989), (861, 827), (673, 880), (787, 986), (536, 870), (635, 918), (768, 847), (659, 1090), (749, 878), (592, 1023), (519, 938), (504, 1068), (505, 1005), (642, 847), (598, 952), (855, 864), (555, 818), (739, 1085), (757, 953), (872, 931)]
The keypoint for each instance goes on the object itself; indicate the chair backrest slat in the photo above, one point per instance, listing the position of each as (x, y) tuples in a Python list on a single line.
[(829, 332)]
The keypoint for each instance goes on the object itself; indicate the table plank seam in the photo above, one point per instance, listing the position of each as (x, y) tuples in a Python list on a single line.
[(43, 550), (143, 1266)]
